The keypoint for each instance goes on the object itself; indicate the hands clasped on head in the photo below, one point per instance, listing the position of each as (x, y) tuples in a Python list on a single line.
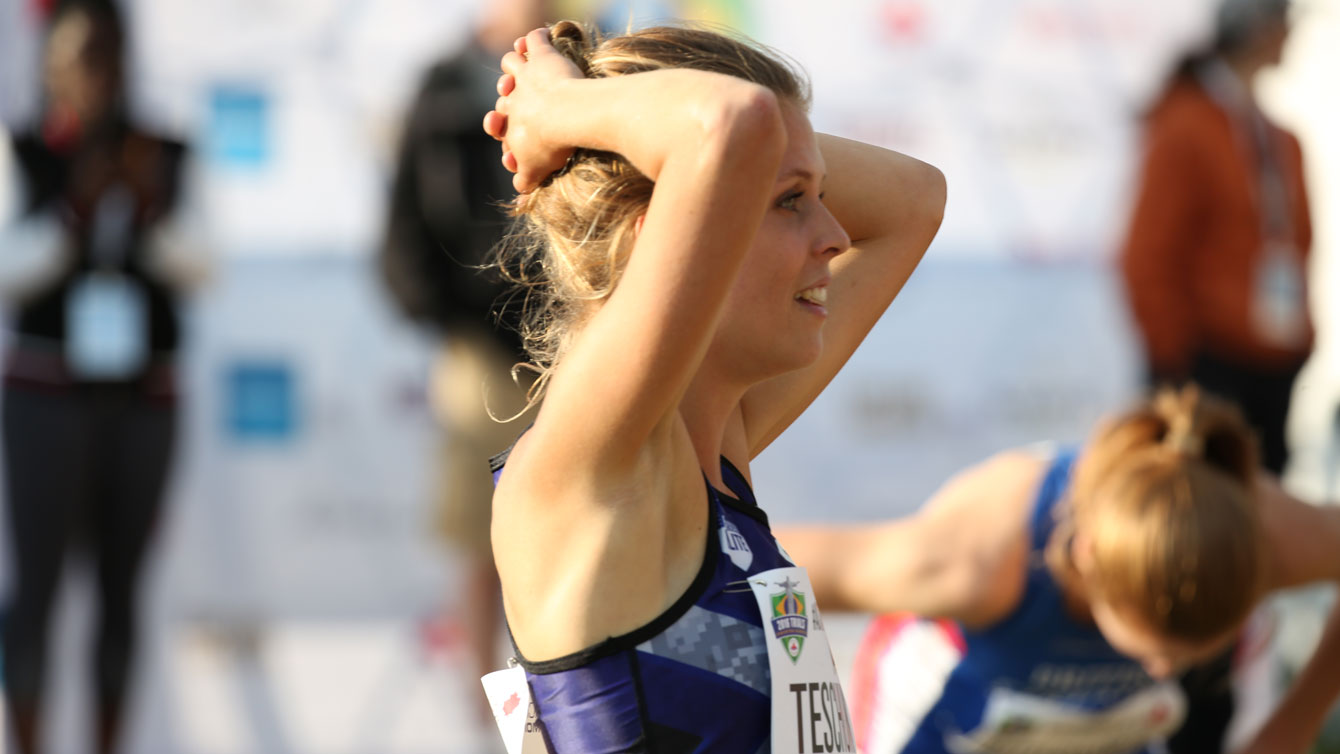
[(533, 74)]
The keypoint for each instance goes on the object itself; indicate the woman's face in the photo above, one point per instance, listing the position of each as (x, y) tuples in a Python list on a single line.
[(774, 317), (1272, 41), (73, 85), (1160, 656)]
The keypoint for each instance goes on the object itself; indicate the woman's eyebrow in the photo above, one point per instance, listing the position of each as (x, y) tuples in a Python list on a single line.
[(800, 172)]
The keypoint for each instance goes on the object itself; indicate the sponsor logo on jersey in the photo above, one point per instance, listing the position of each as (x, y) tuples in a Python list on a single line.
[(735, 546)]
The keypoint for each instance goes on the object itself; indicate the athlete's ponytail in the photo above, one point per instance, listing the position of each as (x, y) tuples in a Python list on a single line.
[(1165, 501)]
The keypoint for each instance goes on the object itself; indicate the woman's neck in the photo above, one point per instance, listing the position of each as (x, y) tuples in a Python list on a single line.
[(1060, 558), (708, 408), (1244, 67)]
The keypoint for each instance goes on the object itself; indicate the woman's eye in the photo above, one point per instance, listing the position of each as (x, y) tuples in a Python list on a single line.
[(788, 201)]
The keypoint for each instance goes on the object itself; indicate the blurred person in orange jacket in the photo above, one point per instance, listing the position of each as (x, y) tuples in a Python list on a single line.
[(1216, 255), (1215, 261), (92, 267)]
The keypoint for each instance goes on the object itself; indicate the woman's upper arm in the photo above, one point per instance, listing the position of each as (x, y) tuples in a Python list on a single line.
[(961, 556), (630, 363), (891, 206), (1303, 539)]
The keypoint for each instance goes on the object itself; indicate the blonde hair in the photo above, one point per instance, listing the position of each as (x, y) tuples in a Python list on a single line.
[(1166, 497), (573, 235)]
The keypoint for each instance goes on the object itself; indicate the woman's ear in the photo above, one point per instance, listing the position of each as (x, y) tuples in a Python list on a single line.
[(1081, 554), (637, 227)]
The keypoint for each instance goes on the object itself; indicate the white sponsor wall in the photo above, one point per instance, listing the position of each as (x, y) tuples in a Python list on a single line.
[(307, 487), (1026, 105)]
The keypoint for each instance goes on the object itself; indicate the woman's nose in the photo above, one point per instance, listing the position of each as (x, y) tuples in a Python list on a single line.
[(834, 239), (1159, 668)]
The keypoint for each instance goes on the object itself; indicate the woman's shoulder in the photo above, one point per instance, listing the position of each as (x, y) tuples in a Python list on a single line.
[(1017, 471), (165, 147), (994, 503), (990, 504), (990, 507), (1183, 107), (549, 465)]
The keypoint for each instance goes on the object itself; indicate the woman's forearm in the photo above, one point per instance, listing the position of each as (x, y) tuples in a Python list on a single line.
[(1317, 687), (876, 192), (646, 117), (1298, 720)]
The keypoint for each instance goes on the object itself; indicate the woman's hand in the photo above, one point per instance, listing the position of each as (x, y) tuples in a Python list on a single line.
[(1277, 738), (532, 73)]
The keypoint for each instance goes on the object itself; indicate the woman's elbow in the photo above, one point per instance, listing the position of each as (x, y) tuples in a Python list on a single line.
[(933, 194), (745, 122)]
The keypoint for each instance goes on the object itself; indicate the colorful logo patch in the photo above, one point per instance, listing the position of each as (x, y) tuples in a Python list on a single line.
[(789, 622)]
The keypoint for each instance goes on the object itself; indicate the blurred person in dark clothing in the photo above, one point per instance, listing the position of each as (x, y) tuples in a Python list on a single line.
[(1215, 263), (90, 270), (446, 214), (1215, 260)]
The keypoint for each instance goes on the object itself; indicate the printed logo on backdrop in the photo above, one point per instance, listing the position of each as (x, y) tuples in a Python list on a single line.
[(789, 623), (239, 129), (260, 401), (735, 546)]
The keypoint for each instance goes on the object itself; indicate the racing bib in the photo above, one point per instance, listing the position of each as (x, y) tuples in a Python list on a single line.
[(1019, 723), (514, 711), (809, 711)]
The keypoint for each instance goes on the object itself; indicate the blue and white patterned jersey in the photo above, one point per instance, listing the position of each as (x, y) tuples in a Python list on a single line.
[(694, 679)]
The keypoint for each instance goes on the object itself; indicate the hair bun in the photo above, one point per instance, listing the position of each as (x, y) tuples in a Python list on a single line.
[(1202, 427), (575, 42), (1180, 409)]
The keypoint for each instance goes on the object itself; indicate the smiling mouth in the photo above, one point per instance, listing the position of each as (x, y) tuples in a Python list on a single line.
[(817, 296)]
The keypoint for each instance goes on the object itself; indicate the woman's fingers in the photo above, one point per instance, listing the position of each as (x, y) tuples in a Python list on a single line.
[(526, 179), (495, 124), (512, 63), (537, 40)]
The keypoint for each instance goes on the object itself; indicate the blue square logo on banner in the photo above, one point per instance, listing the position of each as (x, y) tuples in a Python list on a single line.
[(260, 401), (239, 131)]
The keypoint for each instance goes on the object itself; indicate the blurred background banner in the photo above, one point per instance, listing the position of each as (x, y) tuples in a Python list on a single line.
[(302, 493)]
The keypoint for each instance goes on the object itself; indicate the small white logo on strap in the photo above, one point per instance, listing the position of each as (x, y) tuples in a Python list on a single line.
[(734, 545)]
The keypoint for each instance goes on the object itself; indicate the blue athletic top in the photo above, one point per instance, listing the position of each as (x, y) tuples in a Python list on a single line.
[(694, 679), (1039, 651)]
